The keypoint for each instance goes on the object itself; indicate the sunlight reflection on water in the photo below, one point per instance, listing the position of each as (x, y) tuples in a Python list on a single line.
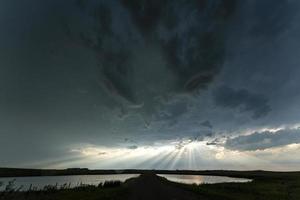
[(199, 179)]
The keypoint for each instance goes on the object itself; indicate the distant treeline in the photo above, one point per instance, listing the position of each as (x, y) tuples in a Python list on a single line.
[(18, 172)]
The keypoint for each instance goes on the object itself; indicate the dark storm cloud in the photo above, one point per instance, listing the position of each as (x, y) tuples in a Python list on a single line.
[(264, 140), (195, 61), (146, 14), (112, 51), (194, 52), (243, 100), (76, 73)]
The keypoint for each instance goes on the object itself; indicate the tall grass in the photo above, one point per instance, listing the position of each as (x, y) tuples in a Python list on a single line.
[(11, 191)]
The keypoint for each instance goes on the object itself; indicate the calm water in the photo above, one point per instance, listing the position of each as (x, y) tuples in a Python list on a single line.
[(199, 179), (41, 181)]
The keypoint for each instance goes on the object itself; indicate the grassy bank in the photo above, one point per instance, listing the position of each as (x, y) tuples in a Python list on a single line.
[(265, 186)]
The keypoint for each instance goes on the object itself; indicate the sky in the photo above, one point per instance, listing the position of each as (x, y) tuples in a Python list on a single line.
[(162, 84)]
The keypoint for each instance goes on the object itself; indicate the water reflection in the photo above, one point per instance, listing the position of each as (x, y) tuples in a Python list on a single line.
[(199, 179)]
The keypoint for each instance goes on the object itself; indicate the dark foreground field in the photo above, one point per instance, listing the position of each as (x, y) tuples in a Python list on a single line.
[(265, 186)]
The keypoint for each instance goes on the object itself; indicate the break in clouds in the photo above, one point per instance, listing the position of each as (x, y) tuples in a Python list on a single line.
[(94, 78)]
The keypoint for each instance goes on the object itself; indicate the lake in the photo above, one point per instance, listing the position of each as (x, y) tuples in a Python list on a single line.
[(199, 179), (40, 181)]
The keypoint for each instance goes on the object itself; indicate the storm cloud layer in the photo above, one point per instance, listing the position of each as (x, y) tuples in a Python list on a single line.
[(264, 140), (98, 77)]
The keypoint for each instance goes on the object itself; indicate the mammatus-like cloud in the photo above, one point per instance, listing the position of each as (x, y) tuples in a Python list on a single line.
[(264, 140), (191, 54)]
